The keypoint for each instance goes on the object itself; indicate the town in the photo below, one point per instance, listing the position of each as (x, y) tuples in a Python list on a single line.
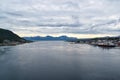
[(101, 42)]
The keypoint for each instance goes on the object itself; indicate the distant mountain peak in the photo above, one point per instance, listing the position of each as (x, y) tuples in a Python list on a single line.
[(50, 38)]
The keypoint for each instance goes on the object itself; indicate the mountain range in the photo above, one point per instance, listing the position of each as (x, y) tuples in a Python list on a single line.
[(50, 38)]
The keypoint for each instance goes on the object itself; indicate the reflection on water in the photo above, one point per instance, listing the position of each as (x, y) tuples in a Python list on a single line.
[(3, 49), (55, 60)]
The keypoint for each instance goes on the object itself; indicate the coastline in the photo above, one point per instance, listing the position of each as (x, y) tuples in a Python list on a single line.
[(14, 43)]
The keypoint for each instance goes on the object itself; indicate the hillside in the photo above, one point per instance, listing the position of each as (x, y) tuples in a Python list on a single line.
[(8, 37)]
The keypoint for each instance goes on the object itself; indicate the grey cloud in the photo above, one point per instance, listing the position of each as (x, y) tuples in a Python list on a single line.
[(13, 14), (3, 17), (78, 16)]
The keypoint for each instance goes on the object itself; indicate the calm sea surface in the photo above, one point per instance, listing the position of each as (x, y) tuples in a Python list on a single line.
[(57, 60)]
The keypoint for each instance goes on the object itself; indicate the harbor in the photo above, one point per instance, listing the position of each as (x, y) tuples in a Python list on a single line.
[(101, 42)]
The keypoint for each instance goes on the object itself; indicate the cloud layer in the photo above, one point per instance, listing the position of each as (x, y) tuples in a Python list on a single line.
[(61, 16)]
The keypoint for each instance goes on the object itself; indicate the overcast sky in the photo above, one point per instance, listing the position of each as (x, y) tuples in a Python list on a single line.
[(79, 18)]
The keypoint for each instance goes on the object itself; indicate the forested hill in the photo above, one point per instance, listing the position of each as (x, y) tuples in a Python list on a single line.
[(7, 36)]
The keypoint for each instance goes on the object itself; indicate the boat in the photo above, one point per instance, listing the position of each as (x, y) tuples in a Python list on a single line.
[(106, 45)]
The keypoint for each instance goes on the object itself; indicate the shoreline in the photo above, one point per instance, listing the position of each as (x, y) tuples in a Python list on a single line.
[(14, 43)]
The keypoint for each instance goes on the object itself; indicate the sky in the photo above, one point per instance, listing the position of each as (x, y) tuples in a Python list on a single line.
[(75, 18)]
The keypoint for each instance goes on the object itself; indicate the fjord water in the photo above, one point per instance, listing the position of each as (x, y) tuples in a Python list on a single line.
[(58, 60)]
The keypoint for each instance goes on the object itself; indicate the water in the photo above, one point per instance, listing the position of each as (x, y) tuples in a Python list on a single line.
[(57, 60)]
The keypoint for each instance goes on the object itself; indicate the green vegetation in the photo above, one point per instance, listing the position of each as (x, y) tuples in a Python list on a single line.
[(8, 37)]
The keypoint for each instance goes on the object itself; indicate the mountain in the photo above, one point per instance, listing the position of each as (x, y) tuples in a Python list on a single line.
[(50, 38), (7, 37)]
